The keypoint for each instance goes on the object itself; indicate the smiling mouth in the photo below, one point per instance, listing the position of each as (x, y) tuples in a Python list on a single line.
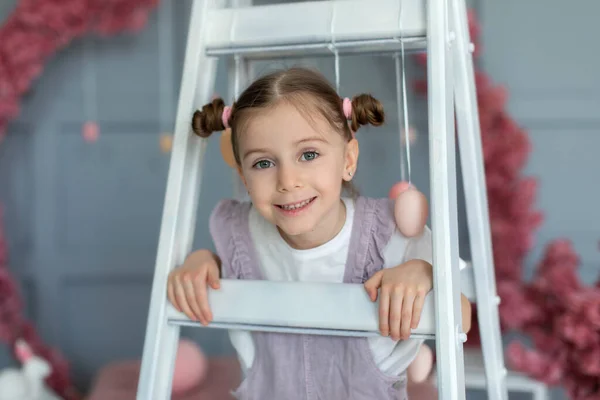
[(296, 206)]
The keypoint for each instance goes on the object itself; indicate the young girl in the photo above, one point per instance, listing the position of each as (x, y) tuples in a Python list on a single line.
[(296, 152)]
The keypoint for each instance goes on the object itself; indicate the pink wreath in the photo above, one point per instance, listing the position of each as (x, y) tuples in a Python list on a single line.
[(37, 29), (32, 34)]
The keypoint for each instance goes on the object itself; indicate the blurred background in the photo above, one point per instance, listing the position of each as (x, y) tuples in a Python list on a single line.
[(84, 163)]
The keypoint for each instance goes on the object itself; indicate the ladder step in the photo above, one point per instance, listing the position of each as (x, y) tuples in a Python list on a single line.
[(292, 307), (291, 330), (310, 308), (305, 28)]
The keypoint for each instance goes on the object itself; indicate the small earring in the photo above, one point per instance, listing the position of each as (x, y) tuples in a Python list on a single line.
[(350, 174)]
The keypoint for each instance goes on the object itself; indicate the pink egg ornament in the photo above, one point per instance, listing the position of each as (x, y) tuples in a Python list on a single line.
[(90, 131), (410, 209), (398, 188), (191, 367)]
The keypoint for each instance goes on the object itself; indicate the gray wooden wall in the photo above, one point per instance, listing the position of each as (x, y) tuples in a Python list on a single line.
[(83, 218)]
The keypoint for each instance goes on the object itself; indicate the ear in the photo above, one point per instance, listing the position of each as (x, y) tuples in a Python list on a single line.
[(351, 159)]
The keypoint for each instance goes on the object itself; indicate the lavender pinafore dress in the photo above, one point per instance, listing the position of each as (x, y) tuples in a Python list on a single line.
[(311, 367)]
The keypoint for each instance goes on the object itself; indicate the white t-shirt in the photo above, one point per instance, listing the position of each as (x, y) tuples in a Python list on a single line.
[(326, 263)]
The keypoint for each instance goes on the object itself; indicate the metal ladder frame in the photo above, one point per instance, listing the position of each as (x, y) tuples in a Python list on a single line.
[(212, 33)]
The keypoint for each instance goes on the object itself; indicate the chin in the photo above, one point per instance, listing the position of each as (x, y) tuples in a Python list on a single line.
[(295, 228), (299, 226)]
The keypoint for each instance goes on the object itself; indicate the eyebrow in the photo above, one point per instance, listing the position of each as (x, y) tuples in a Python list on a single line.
[(250, 152), (264, 150), (312, 139)]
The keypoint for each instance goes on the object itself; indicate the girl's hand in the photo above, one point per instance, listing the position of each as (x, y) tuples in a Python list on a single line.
[(187, 285), (403, 291)]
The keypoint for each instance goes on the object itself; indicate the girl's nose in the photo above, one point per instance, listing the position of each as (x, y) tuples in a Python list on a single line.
[(288, 179)]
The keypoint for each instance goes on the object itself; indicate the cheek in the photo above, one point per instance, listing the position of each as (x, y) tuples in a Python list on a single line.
[(330, 173), (257, 183)]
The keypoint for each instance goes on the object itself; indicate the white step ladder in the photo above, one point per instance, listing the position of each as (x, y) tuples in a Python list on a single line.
[(308, 29)]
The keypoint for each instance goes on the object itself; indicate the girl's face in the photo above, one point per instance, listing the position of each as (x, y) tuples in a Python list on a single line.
[(293, 170)]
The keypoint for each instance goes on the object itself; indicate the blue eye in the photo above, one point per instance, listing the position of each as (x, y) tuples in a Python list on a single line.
[(262, 164), (309, 155)]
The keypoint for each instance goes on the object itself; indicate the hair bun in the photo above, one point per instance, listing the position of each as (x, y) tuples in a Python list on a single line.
[(366, 110), (209, 119)]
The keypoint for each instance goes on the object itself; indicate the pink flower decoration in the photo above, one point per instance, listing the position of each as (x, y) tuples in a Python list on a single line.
[(536, 364), (575, 329), (591, 307), (37, 29), (590, 360), (581, 387), (514, 299), (91, 132)]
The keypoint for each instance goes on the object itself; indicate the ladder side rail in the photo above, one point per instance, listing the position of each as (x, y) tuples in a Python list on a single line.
[(180, 205), (444, 204), (473, 171)]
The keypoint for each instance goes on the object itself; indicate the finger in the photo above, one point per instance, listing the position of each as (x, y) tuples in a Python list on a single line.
[(190, 295), (372, 284), (407, 314), (171, 295), (396, 312), (417, 310), (384, 310), (202, 296), (181, 299), (213, 278)]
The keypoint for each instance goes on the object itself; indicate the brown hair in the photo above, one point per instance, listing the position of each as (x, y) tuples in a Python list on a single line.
[(306, 89)]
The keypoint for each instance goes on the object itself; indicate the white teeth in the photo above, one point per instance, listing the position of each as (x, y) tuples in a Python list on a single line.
[(296, 206)]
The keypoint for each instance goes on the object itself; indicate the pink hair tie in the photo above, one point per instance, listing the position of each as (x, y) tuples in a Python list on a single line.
[(347, 105), (226, 115)]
